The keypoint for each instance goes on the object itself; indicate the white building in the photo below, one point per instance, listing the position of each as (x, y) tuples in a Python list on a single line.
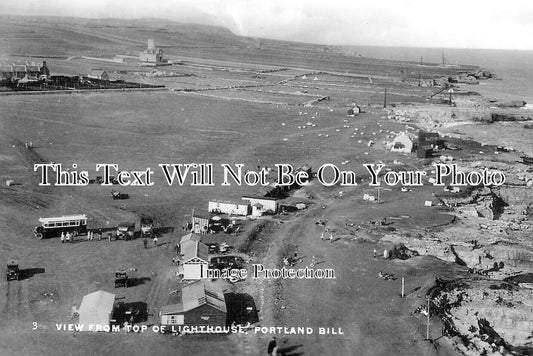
[(228, 208)]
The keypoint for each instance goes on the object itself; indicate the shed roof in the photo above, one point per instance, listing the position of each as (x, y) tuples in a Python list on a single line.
[(194, 249), (197, 294), (19, 68), (97, 73), (203, 292), (171, 309), (258, 197), (190, 237)]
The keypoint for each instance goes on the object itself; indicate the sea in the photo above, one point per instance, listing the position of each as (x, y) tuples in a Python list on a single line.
[(513, 67)]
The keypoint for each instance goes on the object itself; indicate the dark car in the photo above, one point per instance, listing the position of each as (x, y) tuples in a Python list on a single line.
[(13, 271), (213, 247), (121, 279), (126, 231), (147, 227), (223, 262), (118, 195)]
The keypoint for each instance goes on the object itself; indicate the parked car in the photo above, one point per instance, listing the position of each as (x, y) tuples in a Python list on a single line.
[(223, 262), (118, 195), (121, 278), (147, 227), (213, 247), (13, 271), (126, 230)]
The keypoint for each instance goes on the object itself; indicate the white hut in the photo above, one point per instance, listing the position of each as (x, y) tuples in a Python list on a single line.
[(95, 310)]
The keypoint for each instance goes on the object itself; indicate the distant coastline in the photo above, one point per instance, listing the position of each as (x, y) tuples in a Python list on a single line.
[(514, 67)]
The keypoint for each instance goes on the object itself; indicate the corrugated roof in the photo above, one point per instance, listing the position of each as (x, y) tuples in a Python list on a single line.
[(194, 249), (203, 292), (171, 309), (258, 197), (98, 300)]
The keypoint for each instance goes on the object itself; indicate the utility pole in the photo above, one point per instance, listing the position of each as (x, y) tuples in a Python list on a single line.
[(385, 99), (427, 328)]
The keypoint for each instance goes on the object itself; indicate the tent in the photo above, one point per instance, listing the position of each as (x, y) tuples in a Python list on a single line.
[(96, 309), (402, 143)]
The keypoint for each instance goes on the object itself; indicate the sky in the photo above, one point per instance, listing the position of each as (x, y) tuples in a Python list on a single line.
[(412, 23)]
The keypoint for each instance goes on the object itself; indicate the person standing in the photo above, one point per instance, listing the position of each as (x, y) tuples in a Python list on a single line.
[(375, 253), (62, 236), (330, 237), (145, 242), (272, 347), (322, 236), (155, 241)]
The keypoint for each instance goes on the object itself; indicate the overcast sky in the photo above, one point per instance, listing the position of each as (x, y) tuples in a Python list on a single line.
[(421, 23)]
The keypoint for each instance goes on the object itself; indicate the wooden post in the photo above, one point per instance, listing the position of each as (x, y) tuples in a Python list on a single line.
[(403, 287)]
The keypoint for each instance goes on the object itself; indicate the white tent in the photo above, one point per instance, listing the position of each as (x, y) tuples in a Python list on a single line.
[(96, 309), (402, 143)]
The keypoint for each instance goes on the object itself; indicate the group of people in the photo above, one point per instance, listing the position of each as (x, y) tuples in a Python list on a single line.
[(90, 235), (291, 261), (145, 241), (67, 237)]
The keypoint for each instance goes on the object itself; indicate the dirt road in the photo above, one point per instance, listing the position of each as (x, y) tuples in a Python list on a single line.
[(366, 309)]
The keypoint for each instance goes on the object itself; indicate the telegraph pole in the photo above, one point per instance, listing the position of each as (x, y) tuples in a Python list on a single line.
[(427, 327)]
